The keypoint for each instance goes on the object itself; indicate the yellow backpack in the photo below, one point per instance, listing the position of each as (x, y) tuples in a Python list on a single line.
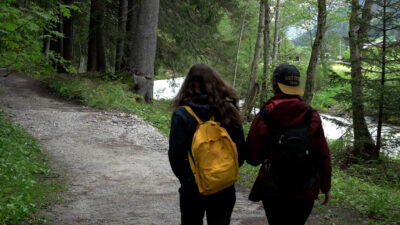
[(213, 158)]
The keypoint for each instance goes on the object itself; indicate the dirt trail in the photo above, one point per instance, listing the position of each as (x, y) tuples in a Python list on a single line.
[(116, 166)]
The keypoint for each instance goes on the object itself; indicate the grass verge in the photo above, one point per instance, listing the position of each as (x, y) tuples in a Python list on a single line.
[(26, 180), (115, 95)]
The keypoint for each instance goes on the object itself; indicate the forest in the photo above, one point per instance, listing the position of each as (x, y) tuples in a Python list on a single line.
[(108, 54)]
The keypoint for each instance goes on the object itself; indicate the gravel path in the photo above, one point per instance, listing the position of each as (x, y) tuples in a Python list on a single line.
[(116, 166)]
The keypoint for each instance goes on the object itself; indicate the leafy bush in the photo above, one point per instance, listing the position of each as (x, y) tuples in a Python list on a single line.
[(346, 55), (22, 31), (325, 100)]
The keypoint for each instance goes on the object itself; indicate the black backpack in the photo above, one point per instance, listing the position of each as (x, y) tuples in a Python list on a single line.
[(293, 170)]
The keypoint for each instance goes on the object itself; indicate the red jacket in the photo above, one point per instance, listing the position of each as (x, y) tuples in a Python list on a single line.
[(287, 111)]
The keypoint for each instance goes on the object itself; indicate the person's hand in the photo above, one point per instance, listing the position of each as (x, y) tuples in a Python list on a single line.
[(326, 200)]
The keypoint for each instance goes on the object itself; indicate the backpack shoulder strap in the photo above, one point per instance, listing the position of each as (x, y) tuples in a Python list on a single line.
[(190, 156), (190, 111), (308, 117)]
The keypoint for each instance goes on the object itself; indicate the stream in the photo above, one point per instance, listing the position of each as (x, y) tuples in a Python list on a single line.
[(334, 127)]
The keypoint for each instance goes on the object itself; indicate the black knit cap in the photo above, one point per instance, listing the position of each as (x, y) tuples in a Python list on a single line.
[(288, 79)]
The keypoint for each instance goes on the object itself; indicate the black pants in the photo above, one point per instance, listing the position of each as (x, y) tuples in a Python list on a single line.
[(287, 211), (218, 207)]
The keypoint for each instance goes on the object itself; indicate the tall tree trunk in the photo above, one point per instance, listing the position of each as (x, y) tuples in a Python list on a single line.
[(100, 49), (312, 65), (249, 102), (122, 20), (68, 49), (276, 34), (363, 143), (132, 16), (240, 42), (264, 83), (60, 67), (92, 51), (141, 60), (381, 96), (54, 43), (133, 8)]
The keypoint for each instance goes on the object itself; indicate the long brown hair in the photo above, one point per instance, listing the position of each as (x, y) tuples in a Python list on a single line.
[(204, 80)]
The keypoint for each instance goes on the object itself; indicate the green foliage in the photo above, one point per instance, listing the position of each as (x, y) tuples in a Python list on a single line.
[(21, 35), (187, 28), (371, 187), (346, 55), (373, 64), (324, 99), (25, 178), (23, 30), (334, 96), (377, 201)]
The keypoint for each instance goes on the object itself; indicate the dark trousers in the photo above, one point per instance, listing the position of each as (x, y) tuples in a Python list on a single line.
[(287, 211), (218, 208)]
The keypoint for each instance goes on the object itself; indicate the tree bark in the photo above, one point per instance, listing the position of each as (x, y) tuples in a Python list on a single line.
[(122, 20), (60, 67), (276, 34), (264, 83), (363, 143), (240, 42), (133, 8), (248, 104), (96, 49), (100, 49), (92, 51), (131, 23), (68, 49), (312, 65), (382, 86), (141, 60)]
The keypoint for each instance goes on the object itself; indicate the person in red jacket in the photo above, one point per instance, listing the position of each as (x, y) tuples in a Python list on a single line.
[(294, 169)]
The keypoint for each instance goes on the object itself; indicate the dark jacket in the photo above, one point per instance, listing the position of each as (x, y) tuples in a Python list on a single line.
[(183, 127), (287, 111)]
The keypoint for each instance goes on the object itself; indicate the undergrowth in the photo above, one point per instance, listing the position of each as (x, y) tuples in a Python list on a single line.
[(26, 180)]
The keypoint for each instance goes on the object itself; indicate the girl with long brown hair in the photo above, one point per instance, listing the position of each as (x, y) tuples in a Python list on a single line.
[(207, 94)]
